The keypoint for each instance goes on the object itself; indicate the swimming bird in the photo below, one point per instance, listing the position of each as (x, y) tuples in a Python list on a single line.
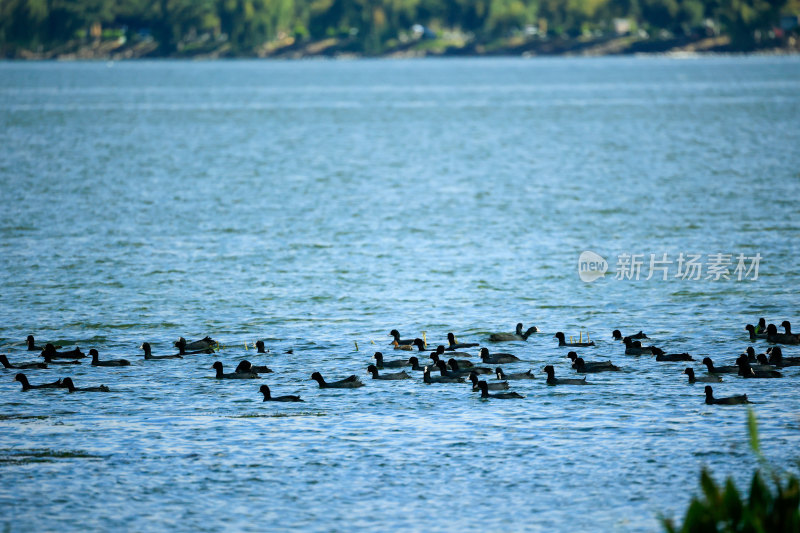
[(762, 363), (753, 335), (233, 375), (762, 326), (552, 380), (381, 364), (617, 335), (32, 345), (183, 348), (583, 368), (269, 398), (711, 378), (21, 366), (350, 382), (96, 361), (26, 386), (455, 366), (719, 369), (68, 384), (260, 349), (635, 348), (419, 344), (519, 375), (484, 388), (495, 385), (776, 358), (747, 371), (673, 357), (48, 359), (730, 400), (518, 335), (591, 364), (781, 338), (498, 358), (414, 362), (562, 342), (751, 354), (396, 336), (388, 377), (426, 377), (202, 344), (452, 355), (444, 371), (458, 345), (246, 366), (148, 354), (50, 351)]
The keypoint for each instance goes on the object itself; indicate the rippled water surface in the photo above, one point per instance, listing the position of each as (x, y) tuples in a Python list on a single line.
[(316, 206)]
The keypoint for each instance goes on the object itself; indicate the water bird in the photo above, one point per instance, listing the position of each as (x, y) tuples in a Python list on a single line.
[(444, 371), (31, 344), (21, 366), (350, 382), (617, 335), (730, 400), (246, 366), (419, 344), (719, 369), (402, 342), (183, 348), (202, 344), (26, 386), (633, 347), (453, 345), (498, 358), (776, 358), (68, 384), (583, 368), (452, 355), (260, 349), (233, 375), (711, 378), (747, 371), (519, 375), (48, 359), (148, 354), (552, 380), (495, 385), (455, 366), (484, 388), (673, 357), (518, 334), (753, 335), (591, 364), (269, 398), (426, 377), (562, 342), (372, 369), (50, 351), (116, 362), (414, 362), (381, 364), (781, 338)]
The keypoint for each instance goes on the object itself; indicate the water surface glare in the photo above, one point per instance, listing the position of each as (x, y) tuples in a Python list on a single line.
[(317, 205)]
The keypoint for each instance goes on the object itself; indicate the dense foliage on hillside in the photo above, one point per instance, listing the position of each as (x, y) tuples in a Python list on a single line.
[(371, 26)]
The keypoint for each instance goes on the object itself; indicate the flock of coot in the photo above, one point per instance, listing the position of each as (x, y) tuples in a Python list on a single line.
[(450, 364)]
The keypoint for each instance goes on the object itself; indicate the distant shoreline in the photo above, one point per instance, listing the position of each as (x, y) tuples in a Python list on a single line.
[(344, 49)]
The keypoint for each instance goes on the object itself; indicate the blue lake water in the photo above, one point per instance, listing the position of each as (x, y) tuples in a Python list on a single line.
[(316, 205)]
